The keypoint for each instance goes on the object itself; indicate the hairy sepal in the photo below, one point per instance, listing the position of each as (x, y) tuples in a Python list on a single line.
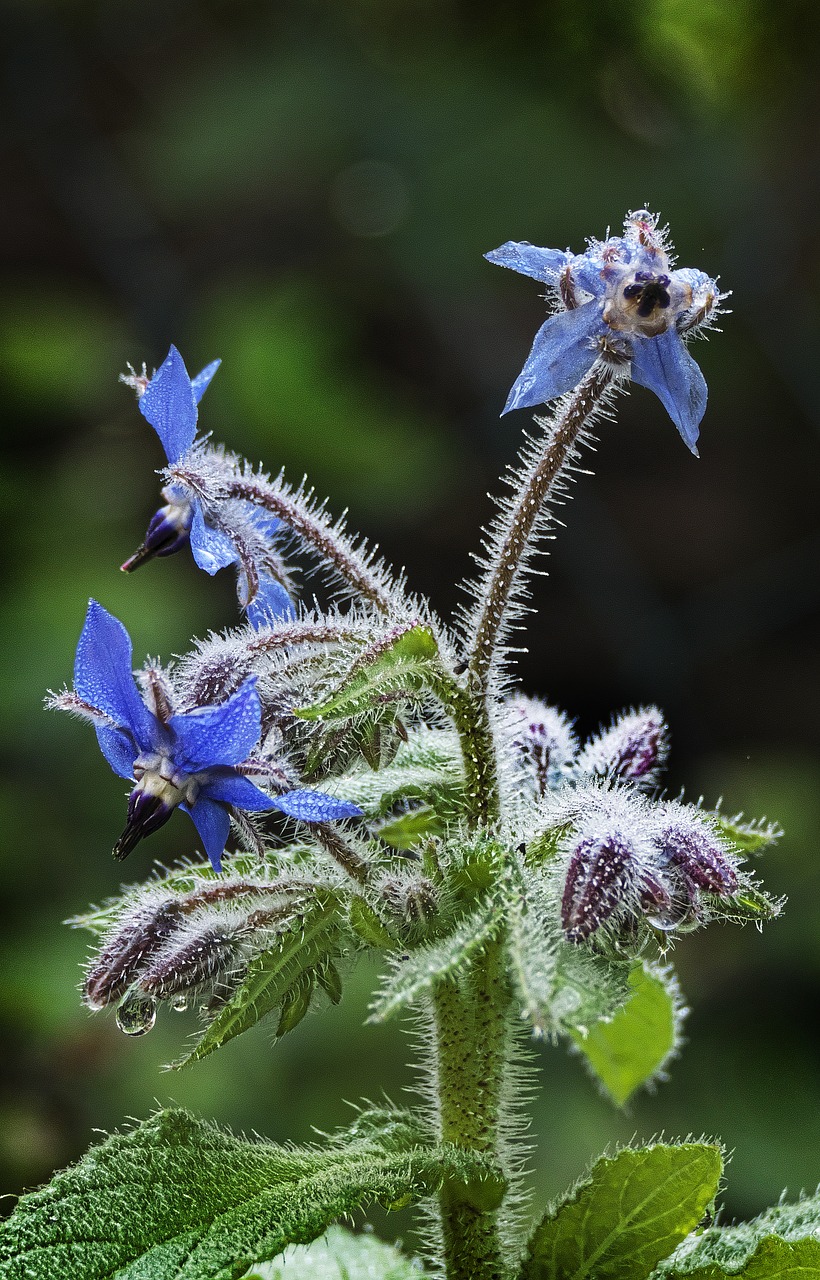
[(402, 662), (782, 1244), (628, 1214), (178, 1199)]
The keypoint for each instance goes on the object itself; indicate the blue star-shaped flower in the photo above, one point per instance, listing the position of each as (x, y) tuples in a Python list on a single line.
[(169, 403), (191, 760), (621, 301)]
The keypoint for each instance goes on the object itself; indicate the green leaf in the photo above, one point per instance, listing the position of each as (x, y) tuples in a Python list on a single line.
[(275, 976), (634, 1046), (750, 903), (409, 828), (781, 1244), (629, 1214), (404, 660), (419, 972), (178, 1199), (428, 768), (340, 1255), (368, 925)]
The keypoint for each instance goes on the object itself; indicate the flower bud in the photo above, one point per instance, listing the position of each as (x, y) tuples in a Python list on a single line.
[(633, 749), (598, 875), (200, 958), (129, 949), (544, 742), (697, 854)]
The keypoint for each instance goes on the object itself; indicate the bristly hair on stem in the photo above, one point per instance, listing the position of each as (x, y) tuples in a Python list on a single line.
[(547, 463)]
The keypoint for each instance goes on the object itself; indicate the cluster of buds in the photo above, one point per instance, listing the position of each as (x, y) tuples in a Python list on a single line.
[(629, 862), (188, 946), (546, 754)]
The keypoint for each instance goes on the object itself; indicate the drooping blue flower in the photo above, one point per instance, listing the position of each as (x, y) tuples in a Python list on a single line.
[(168, 401), (191, 760), (621, 300)]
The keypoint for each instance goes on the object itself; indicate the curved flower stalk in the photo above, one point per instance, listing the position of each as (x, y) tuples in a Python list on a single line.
[(196, 760), (219, 536), (622, 301)]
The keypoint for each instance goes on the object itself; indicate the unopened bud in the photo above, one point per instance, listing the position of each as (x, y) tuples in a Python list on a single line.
[(633, 749), (544, 742), (699, 857), (129, 949), (597, 877), (198, 960), (413, 901)]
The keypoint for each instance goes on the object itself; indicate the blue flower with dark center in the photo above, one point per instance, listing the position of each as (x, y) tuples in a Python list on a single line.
[(191, 760), (168, 401), (621, 301)]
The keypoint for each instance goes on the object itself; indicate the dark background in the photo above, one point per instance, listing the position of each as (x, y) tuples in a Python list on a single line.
[(307, 190)]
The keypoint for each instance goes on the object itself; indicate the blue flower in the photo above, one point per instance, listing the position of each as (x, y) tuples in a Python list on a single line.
[(191, 760), (621, 300), (168, 401)]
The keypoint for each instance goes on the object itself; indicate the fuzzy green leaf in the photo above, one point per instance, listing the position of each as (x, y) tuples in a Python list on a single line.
[(178, 1199), (404, 661), (275, 976), (340, 1255), (782, 1244), (633, 1047), (419, 973), (369, 926), (409, 828), (630, 1213)]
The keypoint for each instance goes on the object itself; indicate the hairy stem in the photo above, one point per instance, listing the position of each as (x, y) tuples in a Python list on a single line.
[(520, 521), (471, 1045), (472, 722), (318, 532)]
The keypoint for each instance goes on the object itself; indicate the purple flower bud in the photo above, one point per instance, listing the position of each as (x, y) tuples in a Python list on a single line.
[(544, 742), (167, 532), (598, 874), (150, 805), (139, 935), (633, 749), (696, 852), (198, 959)]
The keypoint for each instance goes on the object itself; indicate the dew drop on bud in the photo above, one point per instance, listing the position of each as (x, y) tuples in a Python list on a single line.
[(137, 1014), (180, 1004)]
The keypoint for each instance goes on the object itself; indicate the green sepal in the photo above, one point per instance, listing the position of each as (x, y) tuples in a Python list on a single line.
[(179, 1199), (296, 1004), (272, 976), (632, 1047), (330, 980), (340, 1255), (781, 1244), (631, 1211), (369, 926), (748, 837), (749, 905), (404, 662)]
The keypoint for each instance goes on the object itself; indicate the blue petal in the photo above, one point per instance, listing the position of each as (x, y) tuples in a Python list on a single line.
[(119, 749), (213, 824), (529, 260), (211, 549), (665, 366), (232, 788), (270, 604), (200, 384), (315, 806), (169, 405), (562, 353), (222, 735), (103, 675)]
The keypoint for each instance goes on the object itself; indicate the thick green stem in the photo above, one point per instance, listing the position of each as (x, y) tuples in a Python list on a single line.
[(472, 723), (472, 1044)]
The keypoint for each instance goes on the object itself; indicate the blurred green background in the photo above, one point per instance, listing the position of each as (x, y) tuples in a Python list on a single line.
[(306, 189)]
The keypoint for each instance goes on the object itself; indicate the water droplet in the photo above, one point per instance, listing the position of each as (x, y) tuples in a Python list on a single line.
[(137, 1014), (180, 1004)]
